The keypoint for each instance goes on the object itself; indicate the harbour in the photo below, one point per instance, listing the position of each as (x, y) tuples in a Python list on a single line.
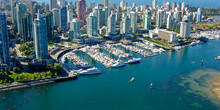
[(171, 64)]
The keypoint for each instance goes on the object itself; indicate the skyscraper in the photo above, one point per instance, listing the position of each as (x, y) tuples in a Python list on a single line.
[(147, 20), (53, 4), (133, 17), (125, 26), (49, 22), (185, 29), (92, 25), (154, 4), (75, 32), (159, 18), (199, 15), (81, 10), (106, 13), (27, 28), (56, 17), (69, 15), (4, 43), (21, 9), (111, 25), (105, 3), (40, 37), (100, 16), (123, 5), (170, 21), (63, 18), (173, 6)]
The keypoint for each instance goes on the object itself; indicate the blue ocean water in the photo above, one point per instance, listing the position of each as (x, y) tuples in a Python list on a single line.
[(175, 85), (199, 3)]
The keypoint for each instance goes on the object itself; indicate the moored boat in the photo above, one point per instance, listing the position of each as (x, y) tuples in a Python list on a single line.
[(90, 71), (134, 60)]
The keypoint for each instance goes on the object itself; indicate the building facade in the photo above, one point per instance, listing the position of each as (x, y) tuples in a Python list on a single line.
[(40, 37), (75, 32), (92, 25), (27, 28), (81, 10), (4, 40), (185, 29), (53, 4), (49, 22), (63, 18), (167, 35)]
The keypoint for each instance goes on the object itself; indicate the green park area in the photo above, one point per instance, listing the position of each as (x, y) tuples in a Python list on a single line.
[(207, 26), (159, 42), (16, 74)]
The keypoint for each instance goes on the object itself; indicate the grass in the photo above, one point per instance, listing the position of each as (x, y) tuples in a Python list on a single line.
[(24, 73), (159, 43)]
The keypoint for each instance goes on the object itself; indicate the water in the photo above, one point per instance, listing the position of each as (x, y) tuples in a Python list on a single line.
[(216, 18), (198, 3), (173, 75)]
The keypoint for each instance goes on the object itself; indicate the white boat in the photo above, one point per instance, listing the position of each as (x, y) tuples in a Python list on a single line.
[(90, 71), (134, 60), (177, 48), (218, 58), (83, 66), (132, 79), (117, 64), (193, 44)]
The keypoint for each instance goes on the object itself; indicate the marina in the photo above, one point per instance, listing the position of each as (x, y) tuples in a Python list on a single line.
[(135, 49), (211, 35), (93, 51), (77, 61), (116, 52), (150, 47)]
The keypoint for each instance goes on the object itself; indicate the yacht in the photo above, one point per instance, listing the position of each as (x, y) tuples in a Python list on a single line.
[(218, 58), (177, 48), (193, 44), (83, 66), (117, 64), (132, 79), (90, 71), (134, 60)]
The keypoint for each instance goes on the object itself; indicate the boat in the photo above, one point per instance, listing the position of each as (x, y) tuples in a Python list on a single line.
[(118, 64), (90, 71), (177, 48), (193, 44), (134, 60), (218, 58), (151, 85), (83, 66), (132, 79)]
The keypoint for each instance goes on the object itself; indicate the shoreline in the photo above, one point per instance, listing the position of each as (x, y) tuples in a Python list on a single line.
[(35, 83)]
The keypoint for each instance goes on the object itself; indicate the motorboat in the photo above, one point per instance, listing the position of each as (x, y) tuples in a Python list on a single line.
[(177, 48), (132, 79), (193, 44), (90, 71), (83, 66), (134, 60), (218, 58), (118, 64)]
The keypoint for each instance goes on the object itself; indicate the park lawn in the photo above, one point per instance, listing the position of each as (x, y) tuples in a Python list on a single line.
[(158, 42), (24, 73)]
